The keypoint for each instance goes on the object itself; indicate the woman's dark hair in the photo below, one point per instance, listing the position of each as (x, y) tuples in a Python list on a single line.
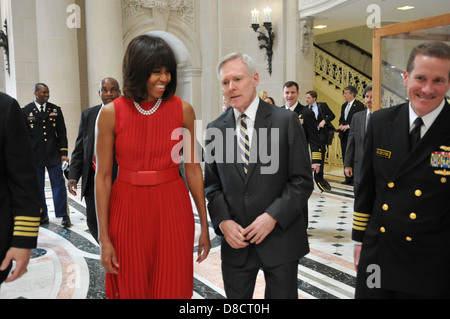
[(144, 55)]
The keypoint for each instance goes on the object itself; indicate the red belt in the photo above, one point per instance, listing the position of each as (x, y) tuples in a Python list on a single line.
[(148, 178)]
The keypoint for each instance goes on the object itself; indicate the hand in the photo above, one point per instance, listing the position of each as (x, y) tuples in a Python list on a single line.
[(322, 124), (109, 259), (64, 159), (21, 256), (357, 255), (315, 168), (260, 228), (233, 233), (72, 186), (204, 245), (348, 171)]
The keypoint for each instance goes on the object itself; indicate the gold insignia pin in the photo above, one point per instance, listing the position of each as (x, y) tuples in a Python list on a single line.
[(445, 148), (443, 172)]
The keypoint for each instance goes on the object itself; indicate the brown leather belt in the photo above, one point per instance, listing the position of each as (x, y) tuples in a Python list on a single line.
[(148, 178)]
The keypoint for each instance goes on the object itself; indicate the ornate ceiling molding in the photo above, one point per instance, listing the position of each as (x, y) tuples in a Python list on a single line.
[(183, 8), (312, 7)]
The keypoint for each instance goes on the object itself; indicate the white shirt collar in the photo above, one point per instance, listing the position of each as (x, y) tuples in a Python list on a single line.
[(292, 108), (428, 119), (250, 111), (39, 106)]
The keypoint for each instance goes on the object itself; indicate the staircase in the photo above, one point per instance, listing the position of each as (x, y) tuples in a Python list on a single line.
[(340, 64)]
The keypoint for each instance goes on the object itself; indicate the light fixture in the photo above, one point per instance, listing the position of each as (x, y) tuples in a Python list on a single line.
[(267, 40), (320, 26), (404, 8)]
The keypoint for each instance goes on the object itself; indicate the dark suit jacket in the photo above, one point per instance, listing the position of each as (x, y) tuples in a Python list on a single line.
[(83, 153), (47, 132), (357, 106), (326, 114), (19, 191), (283, 193), (402, 213), (309, 123), (355, 145)]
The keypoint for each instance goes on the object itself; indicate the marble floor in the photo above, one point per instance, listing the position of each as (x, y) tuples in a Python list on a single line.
[(66, 263)]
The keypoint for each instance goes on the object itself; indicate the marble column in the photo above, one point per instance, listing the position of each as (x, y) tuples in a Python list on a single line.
[(104, 44), (58, 61)]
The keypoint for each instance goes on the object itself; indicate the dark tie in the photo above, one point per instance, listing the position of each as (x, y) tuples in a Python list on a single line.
[(244, 144), (42, 109), (414, 137)]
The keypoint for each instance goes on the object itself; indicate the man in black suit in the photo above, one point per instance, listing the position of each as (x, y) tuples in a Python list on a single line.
[(307, 119), (19, 192), (348, 109), (355, 143), (46, 127), (402, 215), (323, 116), (256, 201), (82, 164)]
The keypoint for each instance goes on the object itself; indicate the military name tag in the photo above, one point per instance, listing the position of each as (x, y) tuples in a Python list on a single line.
[(383, 153)]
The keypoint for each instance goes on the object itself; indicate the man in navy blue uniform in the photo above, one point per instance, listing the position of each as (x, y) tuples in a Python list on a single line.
[(47, 130), (19, 193), (402, 216)]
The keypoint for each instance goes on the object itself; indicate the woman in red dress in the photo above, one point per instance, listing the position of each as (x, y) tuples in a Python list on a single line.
[(146, 221)]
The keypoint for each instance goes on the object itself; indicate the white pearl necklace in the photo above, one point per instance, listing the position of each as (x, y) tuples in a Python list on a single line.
[(149, 112)]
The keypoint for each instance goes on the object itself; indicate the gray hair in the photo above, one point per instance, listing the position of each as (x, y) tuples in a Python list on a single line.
[(248, 61)]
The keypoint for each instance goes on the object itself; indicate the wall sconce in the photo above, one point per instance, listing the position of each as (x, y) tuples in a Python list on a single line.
[(267, 40)]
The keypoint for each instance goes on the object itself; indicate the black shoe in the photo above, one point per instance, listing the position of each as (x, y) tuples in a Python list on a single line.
[(44, 219), (66, 223)]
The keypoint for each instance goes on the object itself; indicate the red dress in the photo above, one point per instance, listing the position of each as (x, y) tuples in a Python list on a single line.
[(151, 227)]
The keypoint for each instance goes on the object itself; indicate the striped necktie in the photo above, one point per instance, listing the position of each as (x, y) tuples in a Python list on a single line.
[(244, 144)]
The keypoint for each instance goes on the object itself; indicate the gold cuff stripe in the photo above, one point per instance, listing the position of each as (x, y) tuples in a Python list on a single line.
[(359, 224), (26, 228), (359, 228), (361, 215), (316, 155), (29, 224), (28, 219), (25, 234), (361, 219)]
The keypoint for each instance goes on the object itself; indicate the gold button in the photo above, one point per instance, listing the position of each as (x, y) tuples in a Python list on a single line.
[(391, 185), (382, 229), (418, 193), (45, 140), (408, 238), (385, 207), (412, 216), (443, 180)]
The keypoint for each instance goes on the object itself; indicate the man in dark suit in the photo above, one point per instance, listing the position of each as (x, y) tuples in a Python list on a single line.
[(256, 203), (307, 119), (82, 164), (46, 127), (19, 192), (355, 143), (402, 215), (323, 116), (349, 108)]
